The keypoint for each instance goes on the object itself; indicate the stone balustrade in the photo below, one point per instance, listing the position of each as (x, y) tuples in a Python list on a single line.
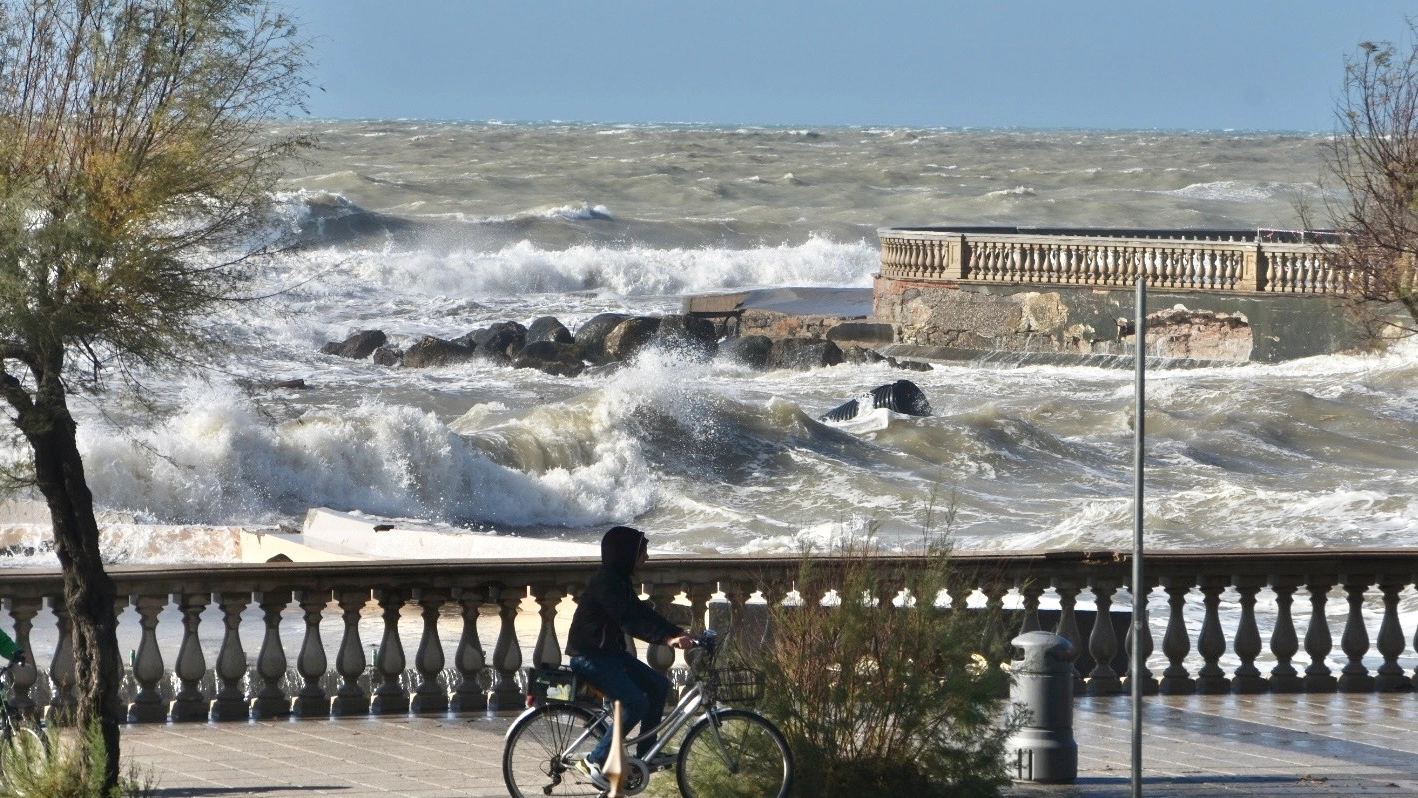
[(1212, 261), (1204, 606)]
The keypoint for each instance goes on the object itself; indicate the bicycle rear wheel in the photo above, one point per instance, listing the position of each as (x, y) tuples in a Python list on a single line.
[(742, 755), (539, 759)]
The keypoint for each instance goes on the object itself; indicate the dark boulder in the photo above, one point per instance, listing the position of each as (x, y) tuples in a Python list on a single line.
[(687, 335), (592, 335), (909, 365), (357, 346), (431, 351), (389, 355), (561, 359), (503, 338), (548, 328), (858, 355), (629, 337), (747, 350), (804, 354)]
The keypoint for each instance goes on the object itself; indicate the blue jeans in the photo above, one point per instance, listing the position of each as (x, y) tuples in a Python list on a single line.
[(639, 689)]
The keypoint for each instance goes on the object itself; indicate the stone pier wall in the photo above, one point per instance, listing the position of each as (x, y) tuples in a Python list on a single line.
[(1098, 321)]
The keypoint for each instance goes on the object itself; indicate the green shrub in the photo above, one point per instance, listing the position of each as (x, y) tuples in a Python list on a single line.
[(877, 698), (72, 768)]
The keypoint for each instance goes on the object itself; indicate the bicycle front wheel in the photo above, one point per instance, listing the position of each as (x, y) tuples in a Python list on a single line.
[(24, 742), (735, 753), (542, 749)]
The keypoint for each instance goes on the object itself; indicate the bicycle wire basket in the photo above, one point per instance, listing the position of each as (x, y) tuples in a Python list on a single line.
[(734, 685)]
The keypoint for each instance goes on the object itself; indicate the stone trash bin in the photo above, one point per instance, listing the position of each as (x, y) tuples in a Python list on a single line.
[(1044, 749)]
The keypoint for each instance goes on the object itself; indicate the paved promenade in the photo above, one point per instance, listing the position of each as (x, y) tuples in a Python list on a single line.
[(1358, 745)]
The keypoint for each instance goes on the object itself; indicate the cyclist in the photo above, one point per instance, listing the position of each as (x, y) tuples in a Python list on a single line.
[(609, 607), (9, 650)]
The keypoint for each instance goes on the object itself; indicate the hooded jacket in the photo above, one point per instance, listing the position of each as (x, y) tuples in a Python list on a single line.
[(610, 605)]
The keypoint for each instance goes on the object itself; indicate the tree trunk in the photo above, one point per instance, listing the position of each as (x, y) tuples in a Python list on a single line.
[(89, 593)]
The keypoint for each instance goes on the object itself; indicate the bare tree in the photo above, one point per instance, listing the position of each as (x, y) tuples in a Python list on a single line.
[(1371, 165), (135, 164)]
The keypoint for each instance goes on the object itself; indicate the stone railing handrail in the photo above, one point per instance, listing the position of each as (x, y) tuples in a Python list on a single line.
[(718, 591), (1255, 261)]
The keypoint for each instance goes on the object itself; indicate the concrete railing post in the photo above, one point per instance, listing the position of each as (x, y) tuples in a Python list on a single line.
[(1044, 748)]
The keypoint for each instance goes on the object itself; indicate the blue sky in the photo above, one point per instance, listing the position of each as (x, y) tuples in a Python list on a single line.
[(1200, 64)]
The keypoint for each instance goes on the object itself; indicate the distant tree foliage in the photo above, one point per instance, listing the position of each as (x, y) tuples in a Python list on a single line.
[(1372, 165), (135, 167)]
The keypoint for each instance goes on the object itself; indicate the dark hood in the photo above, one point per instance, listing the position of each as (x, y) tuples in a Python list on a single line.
[(620, 548)]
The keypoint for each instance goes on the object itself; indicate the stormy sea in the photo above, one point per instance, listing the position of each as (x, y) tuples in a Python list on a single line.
[(418, 228)]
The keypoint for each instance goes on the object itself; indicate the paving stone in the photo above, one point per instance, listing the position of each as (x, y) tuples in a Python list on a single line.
[(1193, 746)]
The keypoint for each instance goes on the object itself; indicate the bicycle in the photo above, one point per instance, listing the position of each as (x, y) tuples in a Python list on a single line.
[(19, 731), (725, 751)]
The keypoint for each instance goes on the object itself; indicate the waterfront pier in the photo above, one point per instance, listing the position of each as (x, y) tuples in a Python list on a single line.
[(1008, 294)]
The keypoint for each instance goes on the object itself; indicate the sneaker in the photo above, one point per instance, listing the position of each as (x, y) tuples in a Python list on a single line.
[(592, 772), (662, 761)]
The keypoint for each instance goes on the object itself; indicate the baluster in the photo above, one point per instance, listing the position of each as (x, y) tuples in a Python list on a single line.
[(430, 695), (469, 695), (1390, 642), (1247, 678), (1318, 641), (189, 703), (147, 706), (230, 700), (61, 668), (1211, 643), (1031, 591), (270, 700), (1355, 677), (720, 614), (1284, 643), (1176, 643), (657, 656), (1103, 641), (507, 654), (350, 698), (390, 697), (311, 663), (1067, 588), (24, 676), (548, 650), (699, 595), (1149, 682)]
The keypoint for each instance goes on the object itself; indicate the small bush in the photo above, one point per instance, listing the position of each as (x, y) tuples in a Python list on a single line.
[(889, 694), (73, 768)]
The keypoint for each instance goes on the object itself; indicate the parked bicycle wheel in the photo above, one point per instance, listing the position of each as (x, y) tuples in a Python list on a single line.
[(538, 759), (742, 755)]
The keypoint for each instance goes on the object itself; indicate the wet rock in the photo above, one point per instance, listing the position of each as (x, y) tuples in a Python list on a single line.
[(692, 337), (804, 354), (548, 328), (431, 351), (357, 346), (297, 384), (859, 355), (908, 365), (505, 337), (389, 355), (747, 350), (592, 335), (552, 357), (629, 337)]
